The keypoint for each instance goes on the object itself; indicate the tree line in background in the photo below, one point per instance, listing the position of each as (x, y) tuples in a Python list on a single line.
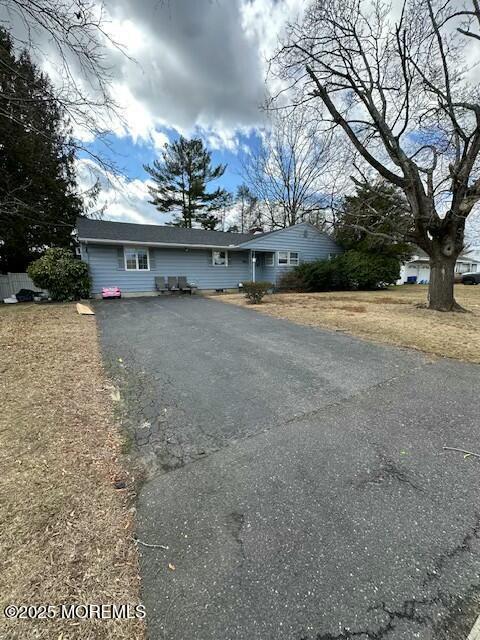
[(286, 178)]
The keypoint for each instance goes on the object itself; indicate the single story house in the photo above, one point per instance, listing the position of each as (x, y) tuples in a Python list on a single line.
[(419, 267), (131, 255)]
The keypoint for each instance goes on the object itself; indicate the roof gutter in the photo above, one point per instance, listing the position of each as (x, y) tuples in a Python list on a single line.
[(159, 244)]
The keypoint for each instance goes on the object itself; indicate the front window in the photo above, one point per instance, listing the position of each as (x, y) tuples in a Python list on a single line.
[(220, 258), (269, 259), (288, 258), (136, 259)]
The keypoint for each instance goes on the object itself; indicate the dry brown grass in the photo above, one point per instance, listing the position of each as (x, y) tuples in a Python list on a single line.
[(385, 316), (65, 532)]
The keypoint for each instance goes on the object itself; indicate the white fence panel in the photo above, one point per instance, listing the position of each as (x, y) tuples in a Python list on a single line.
[(13, 282)]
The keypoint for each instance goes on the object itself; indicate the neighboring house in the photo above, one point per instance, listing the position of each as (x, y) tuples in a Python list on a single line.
[(419, 267), (473, 252), (131, 255)]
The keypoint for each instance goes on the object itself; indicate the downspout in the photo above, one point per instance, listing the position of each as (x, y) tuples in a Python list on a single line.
[(254, 260)]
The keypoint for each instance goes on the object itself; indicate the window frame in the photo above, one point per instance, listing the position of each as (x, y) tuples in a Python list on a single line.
[(270, 254), (136, 250), (226, 258), (297, 259), (289, 262)]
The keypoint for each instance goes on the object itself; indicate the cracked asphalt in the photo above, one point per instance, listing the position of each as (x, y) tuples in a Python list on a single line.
[(297, 476)]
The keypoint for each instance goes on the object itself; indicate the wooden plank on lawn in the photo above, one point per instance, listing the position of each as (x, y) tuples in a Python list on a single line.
[(84, 310)]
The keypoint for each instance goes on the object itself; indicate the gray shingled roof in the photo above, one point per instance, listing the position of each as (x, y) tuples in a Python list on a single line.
[(145, 233)]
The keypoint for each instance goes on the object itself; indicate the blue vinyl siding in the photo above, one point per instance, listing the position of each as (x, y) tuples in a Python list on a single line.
[(106, 264), (307, 241), (195, 264)]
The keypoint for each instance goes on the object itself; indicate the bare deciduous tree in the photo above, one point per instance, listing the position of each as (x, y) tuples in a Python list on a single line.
[(470, 14), (287, 172), (74, 39), (401, 92), (71, 39), (247, 209)]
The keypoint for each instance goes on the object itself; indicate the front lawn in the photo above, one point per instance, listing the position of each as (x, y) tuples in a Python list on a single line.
[(386, 316), (65, 531)]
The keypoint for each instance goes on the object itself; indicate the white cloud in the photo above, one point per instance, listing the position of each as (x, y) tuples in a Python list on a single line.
[(191, 66), (264, 22), (197, 68), (159, 139), (123, 200), (138, 121)]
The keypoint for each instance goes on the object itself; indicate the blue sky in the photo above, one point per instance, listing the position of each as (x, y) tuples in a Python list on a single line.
[(130, 156), (126, 197)]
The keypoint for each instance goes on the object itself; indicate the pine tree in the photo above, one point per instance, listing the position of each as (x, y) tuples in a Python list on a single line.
[(181, 177), (38, 199), (375, 219)]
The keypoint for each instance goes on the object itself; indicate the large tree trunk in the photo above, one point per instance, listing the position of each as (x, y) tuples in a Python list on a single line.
[(440, 289)]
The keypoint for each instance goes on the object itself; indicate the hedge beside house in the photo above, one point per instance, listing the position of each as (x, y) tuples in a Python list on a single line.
[(349, 271)]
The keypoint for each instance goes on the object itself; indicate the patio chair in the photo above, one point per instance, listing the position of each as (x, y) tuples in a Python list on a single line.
[(172, 283), (184, 286), (160, 284)]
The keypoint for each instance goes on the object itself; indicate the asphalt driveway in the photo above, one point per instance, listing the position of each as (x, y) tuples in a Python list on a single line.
[(297, 476)]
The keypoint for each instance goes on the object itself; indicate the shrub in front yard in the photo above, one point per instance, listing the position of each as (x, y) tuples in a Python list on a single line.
[(255, 291), (351, 270), (292, 280), (64, 277), (320, 275), (369, 270)]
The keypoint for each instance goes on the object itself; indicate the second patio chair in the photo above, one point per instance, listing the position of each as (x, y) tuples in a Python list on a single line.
[(172, 283)]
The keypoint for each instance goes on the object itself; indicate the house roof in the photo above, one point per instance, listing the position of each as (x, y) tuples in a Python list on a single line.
[(116, 232), (467, 258), (420, 254)]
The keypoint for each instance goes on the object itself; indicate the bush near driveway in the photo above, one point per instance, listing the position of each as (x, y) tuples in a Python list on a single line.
[(349, 271), (61, 274), (255, 291)]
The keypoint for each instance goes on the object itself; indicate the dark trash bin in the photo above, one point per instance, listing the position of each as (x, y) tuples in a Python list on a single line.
[(25, 295)]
